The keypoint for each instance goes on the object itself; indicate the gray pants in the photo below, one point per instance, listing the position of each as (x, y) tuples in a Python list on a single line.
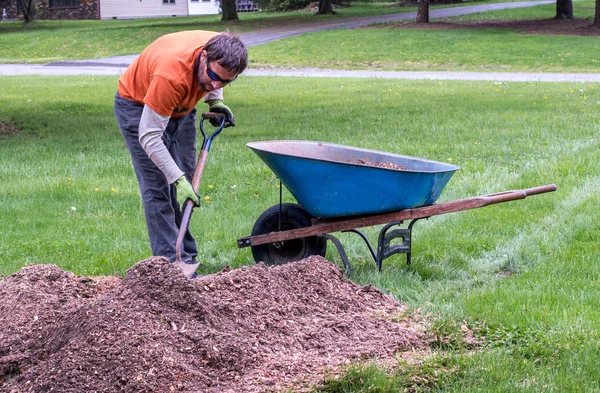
[(163, 214)]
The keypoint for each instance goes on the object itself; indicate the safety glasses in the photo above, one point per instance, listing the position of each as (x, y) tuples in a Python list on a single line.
[(213, 76)]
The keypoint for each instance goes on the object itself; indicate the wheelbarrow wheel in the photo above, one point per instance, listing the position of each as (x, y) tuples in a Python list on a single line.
[(292, 216)]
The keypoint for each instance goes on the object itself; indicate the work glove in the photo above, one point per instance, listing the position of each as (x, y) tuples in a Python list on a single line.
[(218, 107), (185, 191)]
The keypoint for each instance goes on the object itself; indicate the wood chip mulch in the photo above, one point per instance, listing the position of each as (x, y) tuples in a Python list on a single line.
[(253, 329), (385, 164), (8, 128)]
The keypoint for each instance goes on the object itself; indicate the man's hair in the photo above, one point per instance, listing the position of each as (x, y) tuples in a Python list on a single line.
[(228, 50)]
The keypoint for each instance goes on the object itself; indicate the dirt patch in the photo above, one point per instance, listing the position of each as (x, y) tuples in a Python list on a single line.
[(253, 329), (8, 128), (581, 27)]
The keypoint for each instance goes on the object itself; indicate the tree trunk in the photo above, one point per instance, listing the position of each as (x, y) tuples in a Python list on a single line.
[(423, 11), (228, 10), (325, 7), (28, 10), (564, 9), (597, 15)]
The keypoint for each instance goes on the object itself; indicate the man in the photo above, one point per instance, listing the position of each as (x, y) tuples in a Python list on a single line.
[(154, 107)]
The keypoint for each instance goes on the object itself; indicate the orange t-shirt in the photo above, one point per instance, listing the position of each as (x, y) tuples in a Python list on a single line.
[(163, 76)]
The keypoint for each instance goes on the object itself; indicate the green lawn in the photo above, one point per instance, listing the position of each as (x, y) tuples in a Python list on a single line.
[(434, 49), (390, 47)]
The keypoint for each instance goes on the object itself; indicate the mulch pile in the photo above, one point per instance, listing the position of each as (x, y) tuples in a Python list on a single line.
[(253, 329)]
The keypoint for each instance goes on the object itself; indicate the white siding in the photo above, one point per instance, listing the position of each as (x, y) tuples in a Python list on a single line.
[(204, 7), (126, 9)]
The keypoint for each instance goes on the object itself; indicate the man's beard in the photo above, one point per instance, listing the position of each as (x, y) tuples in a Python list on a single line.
[(205, 86)]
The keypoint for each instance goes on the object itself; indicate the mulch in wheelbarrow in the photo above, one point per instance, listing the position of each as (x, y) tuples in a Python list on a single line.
[(253, 329)]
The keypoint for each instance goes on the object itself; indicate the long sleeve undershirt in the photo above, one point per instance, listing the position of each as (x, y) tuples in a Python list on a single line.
[(151, 129)]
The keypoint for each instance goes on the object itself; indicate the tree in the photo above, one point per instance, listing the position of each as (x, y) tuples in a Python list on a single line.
[(423, 11), (597, 15), (564, 9), (325, 7), (228, 10), (27, 8)]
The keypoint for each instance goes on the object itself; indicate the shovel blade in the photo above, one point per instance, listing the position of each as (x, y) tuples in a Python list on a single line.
[(188, 269)]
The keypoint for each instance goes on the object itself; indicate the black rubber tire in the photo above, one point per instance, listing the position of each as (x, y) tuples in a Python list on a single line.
[(293, 216)]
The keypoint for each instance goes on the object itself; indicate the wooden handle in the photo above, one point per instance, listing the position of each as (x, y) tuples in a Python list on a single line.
[(206, 115), (506, 196), (197, 178), (185, 222), (540, 189)]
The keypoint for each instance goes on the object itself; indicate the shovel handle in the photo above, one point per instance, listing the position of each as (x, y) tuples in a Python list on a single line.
[(188, 207), (207, 141)]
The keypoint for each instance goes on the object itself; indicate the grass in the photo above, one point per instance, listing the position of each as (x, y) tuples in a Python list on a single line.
[(386, 47), (521, 277), (434, 49)]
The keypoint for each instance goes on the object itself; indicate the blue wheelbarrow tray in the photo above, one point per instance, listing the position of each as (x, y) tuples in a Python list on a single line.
[(331, 180)]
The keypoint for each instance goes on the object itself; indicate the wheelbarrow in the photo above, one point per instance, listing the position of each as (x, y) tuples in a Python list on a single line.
[(341, 189)]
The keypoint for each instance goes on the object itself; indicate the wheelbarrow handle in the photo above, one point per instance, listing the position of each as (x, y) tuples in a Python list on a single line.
[(517, 194), (540, 189)]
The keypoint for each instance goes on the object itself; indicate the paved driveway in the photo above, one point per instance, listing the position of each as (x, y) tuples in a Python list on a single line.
[(116, 65)]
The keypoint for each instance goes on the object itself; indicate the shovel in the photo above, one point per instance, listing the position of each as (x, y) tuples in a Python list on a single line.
[(188, 268)]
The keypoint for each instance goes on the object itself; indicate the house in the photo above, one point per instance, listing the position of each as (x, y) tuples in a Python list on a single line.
[(129, 9), (210, 7), (204, 7)]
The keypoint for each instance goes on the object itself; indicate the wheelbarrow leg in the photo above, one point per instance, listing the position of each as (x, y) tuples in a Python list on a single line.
[(341, 250), (387, 234)]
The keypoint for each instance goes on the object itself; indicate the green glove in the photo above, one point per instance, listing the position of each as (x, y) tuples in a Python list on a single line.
[(185, 191), (219, 107)]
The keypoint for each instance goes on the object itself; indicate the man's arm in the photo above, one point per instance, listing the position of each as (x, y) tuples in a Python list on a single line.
[(152, 127), (214, 95)]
